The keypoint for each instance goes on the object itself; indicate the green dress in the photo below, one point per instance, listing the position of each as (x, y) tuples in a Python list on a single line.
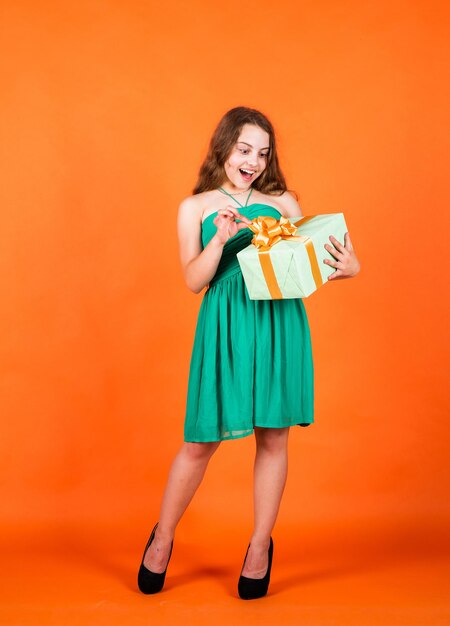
[(251, 362)]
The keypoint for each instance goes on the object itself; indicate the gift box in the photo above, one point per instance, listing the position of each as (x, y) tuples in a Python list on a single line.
[(285, 258)]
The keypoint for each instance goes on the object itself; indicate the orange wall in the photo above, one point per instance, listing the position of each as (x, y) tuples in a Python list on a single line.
[(106, 110)]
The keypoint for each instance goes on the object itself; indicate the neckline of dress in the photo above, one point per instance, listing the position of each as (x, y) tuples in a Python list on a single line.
[(231, 195), (246, 207)]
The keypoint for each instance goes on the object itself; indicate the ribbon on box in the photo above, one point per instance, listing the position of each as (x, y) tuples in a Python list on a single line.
[(268, 231)]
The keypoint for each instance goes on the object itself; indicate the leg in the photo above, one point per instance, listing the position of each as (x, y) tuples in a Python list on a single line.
[(185, 476), (270, 472)]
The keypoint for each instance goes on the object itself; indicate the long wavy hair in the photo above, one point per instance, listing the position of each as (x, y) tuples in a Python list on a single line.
[(212, 172)]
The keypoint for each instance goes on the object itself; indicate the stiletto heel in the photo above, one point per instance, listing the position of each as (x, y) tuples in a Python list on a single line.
[(252, 588), (151, 582)]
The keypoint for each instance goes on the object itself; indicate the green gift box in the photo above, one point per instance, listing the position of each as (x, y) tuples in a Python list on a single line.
[(285, 258)]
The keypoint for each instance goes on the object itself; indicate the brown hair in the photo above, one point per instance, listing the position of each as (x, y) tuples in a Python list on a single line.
[(212, 172)]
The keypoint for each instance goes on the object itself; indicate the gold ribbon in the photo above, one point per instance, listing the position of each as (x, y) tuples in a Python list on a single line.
[(268, 231)]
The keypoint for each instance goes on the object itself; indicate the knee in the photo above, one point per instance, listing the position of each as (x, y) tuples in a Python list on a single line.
[(200, 451), (272, 439)]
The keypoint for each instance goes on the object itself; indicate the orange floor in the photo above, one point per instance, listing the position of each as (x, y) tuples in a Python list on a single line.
[(332, 574)]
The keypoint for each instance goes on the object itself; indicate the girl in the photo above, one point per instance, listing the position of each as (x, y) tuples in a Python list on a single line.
[(251, 368)]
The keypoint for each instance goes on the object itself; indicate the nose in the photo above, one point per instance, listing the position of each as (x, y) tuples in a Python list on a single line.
[(252, 159)]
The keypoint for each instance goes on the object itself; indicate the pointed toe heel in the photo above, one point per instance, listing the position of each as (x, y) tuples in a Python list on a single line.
[(252, 588), (151, 582)]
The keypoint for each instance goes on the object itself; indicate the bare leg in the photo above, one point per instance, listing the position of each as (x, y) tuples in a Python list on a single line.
[(270, 472), (185, 476)]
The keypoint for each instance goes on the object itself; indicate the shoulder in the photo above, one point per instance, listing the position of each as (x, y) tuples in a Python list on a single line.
[(193, 206), (189, 205), (189, 228), (189, 213), (288, 202)]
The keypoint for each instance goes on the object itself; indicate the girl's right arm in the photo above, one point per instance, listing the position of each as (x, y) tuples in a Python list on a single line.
[(199, 266)]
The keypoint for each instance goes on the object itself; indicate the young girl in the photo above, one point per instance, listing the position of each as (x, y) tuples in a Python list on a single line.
[(251, 368)]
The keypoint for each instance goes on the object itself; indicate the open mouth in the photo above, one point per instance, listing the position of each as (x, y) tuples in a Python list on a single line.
[(246, 174)]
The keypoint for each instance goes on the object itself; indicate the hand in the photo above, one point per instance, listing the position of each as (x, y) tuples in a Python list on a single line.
[(345, 261), (226, 224)]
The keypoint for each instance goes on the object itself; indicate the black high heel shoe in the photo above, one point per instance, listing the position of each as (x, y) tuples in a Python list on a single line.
[(252, 588), (150, 582)]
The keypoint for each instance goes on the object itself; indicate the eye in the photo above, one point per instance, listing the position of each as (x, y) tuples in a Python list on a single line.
[(264, 156), (243, 150)]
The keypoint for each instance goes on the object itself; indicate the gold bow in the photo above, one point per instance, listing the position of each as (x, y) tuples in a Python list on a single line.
[(267, 232)]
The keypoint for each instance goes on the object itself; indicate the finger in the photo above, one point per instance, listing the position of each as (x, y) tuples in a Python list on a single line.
[(335, 253), (347, 242), (336, 243), (223, 221), (243, 218), (226, 213), (333, 263), (337, 274), (230, 207)]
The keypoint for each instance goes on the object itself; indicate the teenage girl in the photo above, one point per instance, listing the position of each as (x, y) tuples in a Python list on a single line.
[(251, 369)]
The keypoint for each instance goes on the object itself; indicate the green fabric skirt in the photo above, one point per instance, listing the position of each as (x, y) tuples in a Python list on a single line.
[(251, 362)]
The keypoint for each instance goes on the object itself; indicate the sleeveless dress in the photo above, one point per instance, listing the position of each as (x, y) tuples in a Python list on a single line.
[(251, 362)]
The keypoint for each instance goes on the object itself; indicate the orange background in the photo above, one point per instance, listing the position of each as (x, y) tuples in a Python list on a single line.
[(106, 110)]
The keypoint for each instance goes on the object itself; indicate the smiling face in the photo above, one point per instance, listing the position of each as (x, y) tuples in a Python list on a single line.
[(247, 159)]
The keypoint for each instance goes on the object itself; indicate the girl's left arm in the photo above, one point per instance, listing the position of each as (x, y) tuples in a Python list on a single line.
[(345, 261)]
